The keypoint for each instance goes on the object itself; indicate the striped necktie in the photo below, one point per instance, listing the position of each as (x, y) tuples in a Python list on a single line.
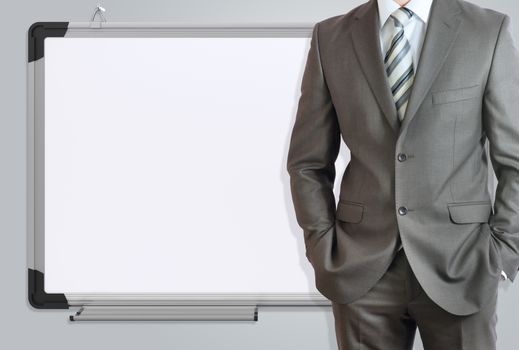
[(399, 61)]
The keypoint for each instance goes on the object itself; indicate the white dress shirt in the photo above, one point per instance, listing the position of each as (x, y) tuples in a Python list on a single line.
[(414, 30)]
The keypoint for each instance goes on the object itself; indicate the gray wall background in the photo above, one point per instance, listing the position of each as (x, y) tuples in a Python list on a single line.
[(24, 327)]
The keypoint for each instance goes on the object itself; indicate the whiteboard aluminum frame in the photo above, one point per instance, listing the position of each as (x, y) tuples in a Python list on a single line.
[(37, 33)]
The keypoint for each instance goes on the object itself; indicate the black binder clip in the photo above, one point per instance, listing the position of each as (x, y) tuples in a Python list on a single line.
[(98, 11)]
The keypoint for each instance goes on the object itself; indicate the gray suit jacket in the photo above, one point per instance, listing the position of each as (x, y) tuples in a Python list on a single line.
[(424, 181)]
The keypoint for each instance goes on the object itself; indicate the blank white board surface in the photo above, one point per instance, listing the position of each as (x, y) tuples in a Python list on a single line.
[(165, 165)]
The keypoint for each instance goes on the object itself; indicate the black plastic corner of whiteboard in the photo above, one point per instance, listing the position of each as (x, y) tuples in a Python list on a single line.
[(37, 33), (39, 299)]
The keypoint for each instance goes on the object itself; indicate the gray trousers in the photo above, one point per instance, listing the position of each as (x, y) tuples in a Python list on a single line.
[(386, 317)]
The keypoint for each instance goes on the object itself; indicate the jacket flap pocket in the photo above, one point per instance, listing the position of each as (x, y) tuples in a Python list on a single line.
[(349, 211), (452, 95), (467, 212)]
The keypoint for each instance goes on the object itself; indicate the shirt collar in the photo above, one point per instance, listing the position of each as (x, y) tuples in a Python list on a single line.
[(420, 7)]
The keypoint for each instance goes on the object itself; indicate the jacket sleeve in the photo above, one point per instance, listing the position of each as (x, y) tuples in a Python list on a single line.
[(501, 124), (313, 149)]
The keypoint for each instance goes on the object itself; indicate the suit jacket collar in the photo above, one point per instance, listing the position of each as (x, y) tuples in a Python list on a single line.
[(442, 30)]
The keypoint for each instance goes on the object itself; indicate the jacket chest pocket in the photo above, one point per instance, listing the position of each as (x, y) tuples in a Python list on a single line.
[(456, 94)]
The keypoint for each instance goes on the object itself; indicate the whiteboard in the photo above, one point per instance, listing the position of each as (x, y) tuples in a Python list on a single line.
[(165, 166)]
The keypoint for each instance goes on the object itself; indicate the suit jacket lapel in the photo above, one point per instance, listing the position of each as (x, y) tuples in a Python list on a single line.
[(366, 43), (441, 32)]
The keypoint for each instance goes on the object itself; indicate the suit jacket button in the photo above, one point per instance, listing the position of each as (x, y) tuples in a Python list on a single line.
[(402, 157), (402, 210)]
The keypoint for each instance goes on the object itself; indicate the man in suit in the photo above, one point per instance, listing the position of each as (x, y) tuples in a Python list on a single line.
[(424, 93)]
